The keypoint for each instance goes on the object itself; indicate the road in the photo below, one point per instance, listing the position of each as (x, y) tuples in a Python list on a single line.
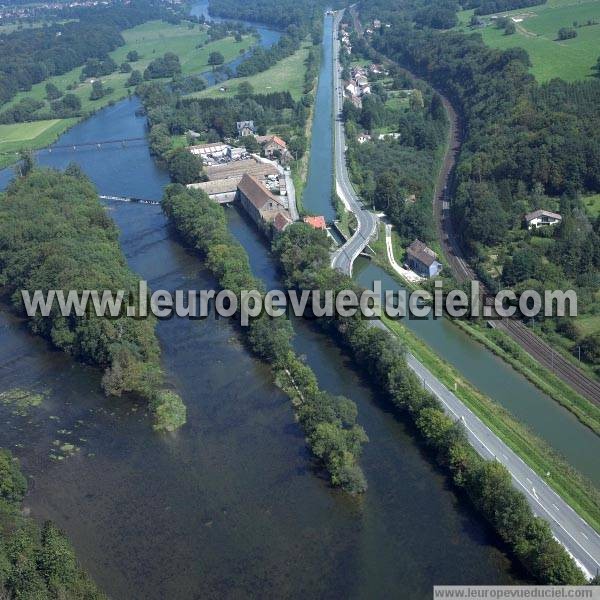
[(343, 258), (579, 538)]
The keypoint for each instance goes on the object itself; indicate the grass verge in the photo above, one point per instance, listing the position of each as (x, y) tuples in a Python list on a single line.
[(504, 347), (581, 494)]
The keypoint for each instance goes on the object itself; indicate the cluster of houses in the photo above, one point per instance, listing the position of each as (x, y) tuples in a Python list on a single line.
[(258, 183), (11, 12), (358, 85), (346, 45)]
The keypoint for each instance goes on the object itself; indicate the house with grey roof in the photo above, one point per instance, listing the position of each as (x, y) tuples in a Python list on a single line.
[(422, 259)]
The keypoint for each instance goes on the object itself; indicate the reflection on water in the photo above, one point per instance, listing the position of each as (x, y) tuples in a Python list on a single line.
[(550, 421), (232, 505)]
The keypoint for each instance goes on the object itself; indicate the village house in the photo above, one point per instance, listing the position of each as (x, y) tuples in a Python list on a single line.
[(376, 24), (363, 137), (272, 145), (422, 259), (541, 218), (261, 205), (245, 128), (317, 222)]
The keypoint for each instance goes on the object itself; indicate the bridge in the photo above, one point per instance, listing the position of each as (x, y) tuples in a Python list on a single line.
[(128, 199), (98, 144), (343, 258)]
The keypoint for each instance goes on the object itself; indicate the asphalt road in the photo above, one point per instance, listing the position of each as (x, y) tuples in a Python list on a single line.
[(344, 257), (579, 538)]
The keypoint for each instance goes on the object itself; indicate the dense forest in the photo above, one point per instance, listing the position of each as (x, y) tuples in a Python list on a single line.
[(278, 13), (329, 421), (305, 259), (35, 563), (30, 56), (527, 146), (69, 242)]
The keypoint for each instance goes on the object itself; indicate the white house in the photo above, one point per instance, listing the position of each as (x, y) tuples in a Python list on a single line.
[(541, 218)]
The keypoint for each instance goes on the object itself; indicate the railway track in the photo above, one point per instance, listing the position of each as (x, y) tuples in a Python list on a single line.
[(527, 339), (551, 359)]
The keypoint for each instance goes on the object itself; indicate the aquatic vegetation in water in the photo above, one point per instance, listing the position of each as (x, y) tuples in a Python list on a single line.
[(21, 401)]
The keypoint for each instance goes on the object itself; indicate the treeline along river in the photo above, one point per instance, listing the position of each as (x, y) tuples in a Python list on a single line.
[(231, 505)]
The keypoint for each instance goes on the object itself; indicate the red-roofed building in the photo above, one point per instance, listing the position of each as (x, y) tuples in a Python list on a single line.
[(316, 222), (261, 205)]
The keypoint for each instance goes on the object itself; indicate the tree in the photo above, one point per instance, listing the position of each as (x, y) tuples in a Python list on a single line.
[(52, 92), (71, 102), (510, 28), (590, 348), (27, 162), (297, 146), (251, 144), (125, 67), (566, 33), (387, 191), (238, 37), (185, 167), (416, 100), (245, 90), (97, 90), (135, 79), (215, 59), (12, 483), (133, 56)]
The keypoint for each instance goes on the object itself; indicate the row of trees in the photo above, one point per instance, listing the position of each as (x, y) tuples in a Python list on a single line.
[(68, 242), (35, 563), (329, 421), (304, 258)]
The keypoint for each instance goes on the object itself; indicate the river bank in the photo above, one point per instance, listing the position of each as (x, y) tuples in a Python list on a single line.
[(230, 504)]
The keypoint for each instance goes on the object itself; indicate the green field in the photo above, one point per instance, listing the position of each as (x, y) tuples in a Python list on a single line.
[(29, 136), (537, 32), (592, 204), (150, 40), (286, 75)]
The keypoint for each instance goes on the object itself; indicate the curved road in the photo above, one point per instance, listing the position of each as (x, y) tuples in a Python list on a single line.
[(343, 258), (580, 539)]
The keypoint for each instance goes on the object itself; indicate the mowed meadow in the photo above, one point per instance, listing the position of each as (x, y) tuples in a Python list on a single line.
[(537, 33), (151, 40)]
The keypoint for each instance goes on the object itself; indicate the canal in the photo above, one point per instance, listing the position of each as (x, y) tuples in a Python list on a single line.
[(232, 505)]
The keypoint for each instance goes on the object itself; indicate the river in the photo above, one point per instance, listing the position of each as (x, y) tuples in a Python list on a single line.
[(232, 505)]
